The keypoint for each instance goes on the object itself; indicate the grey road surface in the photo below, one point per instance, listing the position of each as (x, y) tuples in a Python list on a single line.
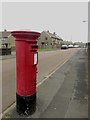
[(71, 99), (64, 94), (48, 62)]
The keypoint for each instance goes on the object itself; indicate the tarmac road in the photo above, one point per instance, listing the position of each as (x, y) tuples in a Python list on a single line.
[(64, 94), (48, 62)]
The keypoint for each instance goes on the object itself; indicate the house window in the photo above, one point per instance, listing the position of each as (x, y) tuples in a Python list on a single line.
[(46, 43), (51, 43), (46, 38), (42, 43)]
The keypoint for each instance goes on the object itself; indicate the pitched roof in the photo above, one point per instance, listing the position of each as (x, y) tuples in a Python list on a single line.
[(53, 35), (56, 36), (4, 34)]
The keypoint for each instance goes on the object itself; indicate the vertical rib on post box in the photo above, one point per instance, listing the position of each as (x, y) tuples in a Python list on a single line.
[(26, 68)]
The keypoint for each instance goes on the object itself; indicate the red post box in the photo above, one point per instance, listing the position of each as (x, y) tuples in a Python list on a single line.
[(26, 68)]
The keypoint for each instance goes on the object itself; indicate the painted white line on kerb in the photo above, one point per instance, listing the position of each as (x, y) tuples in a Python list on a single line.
[(13, 105), (0, 116), (8, 109), (67, 59), (52, 72)]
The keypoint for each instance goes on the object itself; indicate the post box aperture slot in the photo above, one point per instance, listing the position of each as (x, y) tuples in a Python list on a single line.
[(35, 47)]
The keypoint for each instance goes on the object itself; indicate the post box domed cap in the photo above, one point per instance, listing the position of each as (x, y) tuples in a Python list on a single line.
[(25, 34)]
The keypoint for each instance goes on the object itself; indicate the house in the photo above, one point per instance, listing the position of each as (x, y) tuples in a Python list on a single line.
[(46, 40), (7, 40), (49, 40), (67, 42)]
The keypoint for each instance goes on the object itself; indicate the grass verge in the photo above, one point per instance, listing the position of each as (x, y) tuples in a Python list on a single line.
[(46, 49)]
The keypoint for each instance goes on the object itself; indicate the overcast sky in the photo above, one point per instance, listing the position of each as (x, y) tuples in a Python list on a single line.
[(64, 18)]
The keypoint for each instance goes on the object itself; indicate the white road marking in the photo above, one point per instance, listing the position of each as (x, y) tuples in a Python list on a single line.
[(8, 110), (0, 116), (53, 72), (13, 105)]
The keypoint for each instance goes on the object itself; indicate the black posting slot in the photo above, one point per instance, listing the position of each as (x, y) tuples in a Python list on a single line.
[(34, 46)]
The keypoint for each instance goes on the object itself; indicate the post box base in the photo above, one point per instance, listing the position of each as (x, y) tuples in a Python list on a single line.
[(25, 105)]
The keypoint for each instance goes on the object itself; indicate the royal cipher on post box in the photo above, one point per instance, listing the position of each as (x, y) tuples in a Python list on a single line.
[(26, 69)]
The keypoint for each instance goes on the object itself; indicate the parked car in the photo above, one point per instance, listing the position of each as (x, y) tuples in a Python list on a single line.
[(70, 46), (76, 46), (64, 47)]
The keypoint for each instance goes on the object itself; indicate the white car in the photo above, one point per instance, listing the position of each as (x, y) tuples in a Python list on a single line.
[(70, 46), (76, 46), (64, 47)]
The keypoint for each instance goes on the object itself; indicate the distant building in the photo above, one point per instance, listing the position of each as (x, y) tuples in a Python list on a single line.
[(46, 40), (67, 42), (7, 40), (49, 40), (81, 44)]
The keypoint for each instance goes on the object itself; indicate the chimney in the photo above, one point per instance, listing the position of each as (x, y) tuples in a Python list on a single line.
[(5, 30), (54, 33)]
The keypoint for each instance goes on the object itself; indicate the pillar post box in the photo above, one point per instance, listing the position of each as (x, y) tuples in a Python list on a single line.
[(26, 69)]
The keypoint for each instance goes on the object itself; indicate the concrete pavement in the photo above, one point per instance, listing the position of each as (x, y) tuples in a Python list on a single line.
[(64, 93)]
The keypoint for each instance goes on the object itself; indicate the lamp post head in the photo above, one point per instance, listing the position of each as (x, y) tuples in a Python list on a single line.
[(85, 21)]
